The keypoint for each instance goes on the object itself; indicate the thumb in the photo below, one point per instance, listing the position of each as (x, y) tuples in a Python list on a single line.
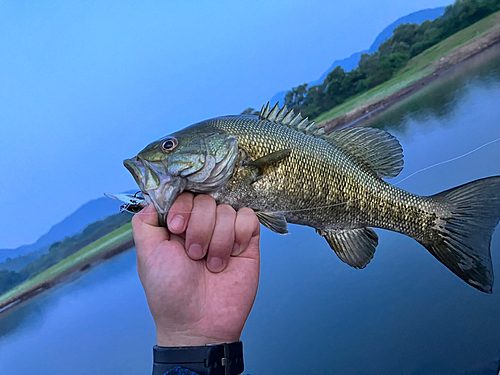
[(147, 234)]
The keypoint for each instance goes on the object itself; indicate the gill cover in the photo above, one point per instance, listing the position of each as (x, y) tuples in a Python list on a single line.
[(201, 163)]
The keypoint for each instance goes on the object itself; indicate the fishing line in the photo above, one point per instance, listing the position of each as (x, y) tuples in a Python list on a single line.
[(407, 177), (448, 161), (404, 179), (395, 184)]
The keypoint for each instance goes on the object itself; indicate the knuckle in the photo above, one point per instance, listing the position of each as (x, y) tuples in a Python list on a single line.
[(226, 209), (135, 221), (204, 199), (219, 247), (247, 217), (246, 211), (247, 214), (183, 202), (186, 195)]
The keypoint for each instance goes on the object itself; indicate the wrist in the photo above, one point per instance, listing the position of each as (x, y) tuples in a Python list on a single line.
[(178, 339)]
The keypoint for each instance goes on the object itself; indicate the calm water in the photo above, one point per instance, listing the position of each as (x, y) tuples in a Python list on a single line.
[(404, 314)]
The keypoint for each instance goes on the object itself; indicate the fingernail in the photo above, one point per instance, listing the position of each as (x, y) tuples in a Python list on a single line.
[(177, 223), (195, 251), (236, 249), (215, 264)]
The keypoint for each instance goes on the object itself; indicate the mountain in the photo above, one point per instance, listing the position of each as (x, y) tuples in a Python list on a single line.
[(351, 62), (88, 213), (415, 17)]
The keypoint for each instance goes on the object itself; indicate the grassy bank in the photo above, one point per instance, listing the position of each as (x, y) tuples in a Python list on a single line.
[(108, 245), (423, 65)]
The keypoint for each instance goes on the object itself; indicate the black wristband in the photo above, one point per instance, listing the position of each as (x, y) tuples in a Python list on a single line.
[(213, 359)]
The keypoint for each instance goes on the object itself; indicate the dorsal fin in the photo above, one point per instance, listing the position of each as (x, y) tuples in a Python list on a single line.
[(288, 118), (378, 150)]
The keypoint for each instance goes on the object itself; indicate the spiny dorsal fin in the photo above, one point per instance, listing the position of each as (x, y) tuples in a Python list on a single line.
[(288, 118), (355, 247), (378, 150)]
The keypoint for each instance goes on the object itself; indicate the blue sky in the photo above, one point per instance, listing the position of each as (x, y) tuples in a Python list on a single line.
[(86, 84)]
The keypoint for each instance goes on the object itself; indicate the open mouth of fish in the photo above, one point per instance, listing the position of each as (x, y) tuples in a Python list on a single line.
[(157, 186)]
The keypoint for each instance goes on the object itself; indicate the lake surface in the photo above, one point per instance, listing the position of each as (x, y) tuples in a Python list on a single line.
[(404, 314)]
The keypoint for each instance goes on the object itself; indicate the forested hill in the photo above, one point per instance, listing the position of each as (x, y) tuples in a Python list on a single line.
[(352, 61), (88, 213), (60, 250), (408, 41)]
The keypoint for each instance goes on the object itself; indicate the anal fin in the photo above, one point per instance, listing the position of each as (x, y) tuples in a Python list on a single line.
[(355, 247), (274, 221)]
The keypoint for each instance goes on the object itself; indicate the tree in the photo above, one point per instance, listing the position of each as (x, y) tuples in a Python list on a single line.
[(408, 40), (9, 279), (250, 111), (296, 96)]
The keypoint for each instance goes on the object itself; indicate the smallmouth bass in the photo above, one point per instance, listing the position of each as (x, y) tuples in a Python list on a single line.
[(289, 171)]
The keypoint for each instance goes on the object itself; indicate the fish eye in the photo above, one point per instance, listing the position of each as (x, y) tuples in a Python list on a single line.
[(169, 144)]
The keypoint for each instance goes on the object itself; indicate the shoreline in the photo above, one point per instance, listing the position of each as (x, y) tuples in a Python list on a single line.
[(458, 56), (72, 273)]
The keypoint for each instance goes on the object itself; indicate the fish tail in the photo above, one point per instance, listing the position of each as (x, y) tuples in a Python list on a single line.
[(462, 236)]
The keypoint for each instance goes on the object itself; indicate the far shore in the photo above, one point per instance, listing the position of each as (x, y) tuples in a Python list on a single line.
[(357, 116), (68, 274)]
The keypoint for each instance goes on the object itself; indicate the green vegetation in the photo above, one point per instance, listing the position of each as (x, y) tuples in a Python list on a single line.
[(59, 253), (402, 56), (17, 263), (102, 245)]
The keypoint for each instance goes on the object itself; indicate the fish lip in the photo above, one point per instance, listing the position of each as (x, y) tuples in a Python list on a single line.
[(159, 190), (147, 175), (136, 169)]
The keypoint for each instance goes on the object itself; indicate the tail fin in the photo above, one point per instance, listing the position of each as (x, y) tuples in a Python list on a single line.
[(464, 244)]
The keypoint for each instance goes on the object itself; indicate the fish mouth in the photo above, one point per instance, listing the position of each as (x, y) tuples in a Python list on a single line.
[(157, 186)]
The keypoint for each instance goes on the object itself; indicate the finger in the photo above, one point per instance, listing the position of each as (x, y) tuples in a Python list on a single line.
[(200, 226), (246, 229), (222, 241), (179, 213), (147, 234)]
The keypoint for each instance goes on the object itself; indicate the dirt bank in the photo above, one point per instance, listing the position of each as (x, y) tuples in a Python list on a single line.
[(455, 57)]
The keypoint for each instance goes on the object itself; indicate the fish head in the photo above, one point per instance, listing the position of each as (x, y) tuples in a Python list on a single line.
[(200, 162)]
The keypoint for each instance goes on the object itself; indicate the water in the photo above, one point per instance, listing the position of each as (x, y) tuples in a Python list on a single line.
[(404, 314)]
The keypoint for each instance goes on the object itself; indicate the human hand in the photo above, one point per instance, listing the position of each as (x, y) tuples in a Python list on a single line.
[(202, 295)]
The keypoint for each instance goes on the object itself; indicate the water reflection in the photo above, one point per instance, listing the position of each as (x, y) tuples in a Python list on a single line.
[(87, 322), (27, 315), (440, 98)]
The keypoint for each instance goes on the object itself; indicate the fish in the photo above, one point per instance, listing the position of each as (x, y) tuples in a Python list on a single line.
[(288, 170)]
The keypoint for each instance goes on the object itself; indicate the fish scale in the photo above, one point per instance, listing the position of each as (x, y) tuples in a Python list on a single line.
[(289, 171)]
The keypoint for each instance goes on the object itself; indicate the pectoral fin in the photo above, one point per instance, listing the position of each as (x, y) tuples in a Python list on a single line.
[(256, 167), (355, 247), (270, 158), (274, 221)]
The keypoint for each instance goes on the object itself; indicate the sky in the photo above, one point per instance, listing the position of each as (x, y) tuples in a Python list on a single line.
[(86, 84)]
